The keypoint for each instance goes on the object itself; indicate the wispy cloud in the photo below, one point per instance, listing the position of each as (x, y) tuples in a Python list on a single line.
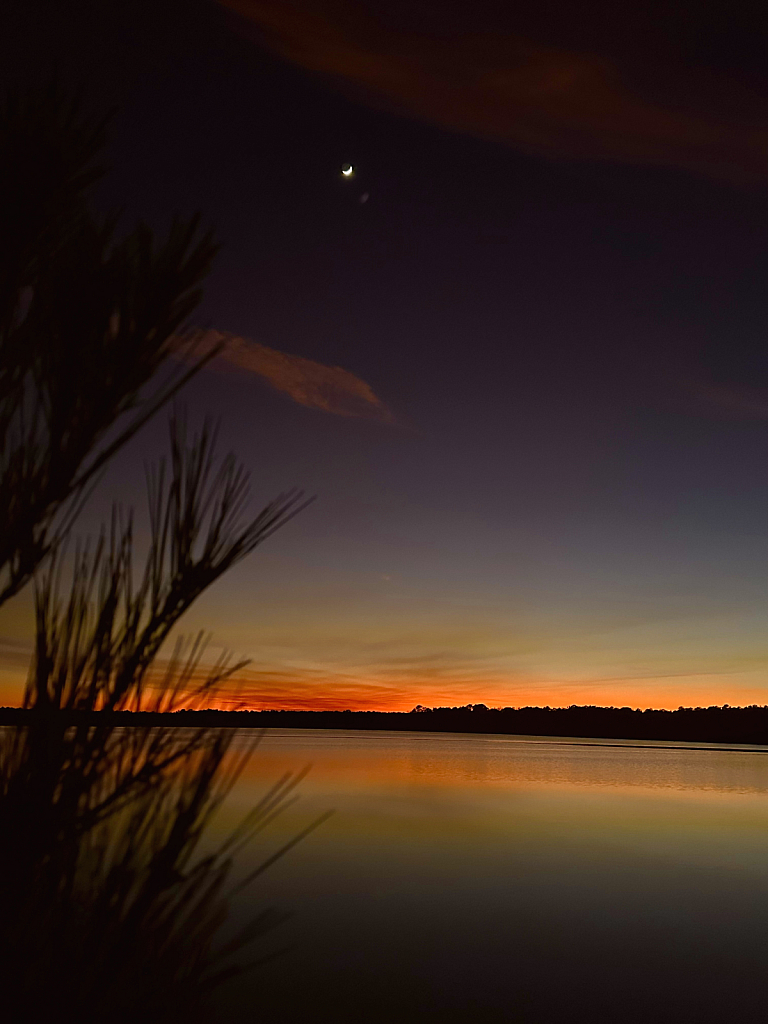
[(502, 85), (14, 653), (329, 389), (303, 688)]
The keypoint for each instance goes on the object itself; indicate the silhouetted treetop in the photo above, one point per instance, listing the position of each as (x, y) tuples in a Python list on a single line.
[(87, 319)]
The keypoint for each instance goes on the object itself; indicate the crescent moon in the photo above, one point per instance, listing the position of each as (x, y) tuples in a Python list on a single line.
[(347, 170)]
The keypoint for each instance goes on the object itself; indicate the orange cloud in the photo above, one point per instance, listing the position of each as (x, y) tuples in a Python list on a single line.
[(319, 690), (333, 689), (314, 385), (500, 85)]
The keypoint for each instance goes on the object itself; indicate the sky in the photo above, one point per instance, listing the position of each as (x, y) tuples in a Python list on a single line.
[(519, 355)]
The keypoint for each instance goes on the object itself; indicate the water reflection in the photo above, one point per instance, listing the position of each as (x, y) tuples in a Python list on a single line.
[(462, 878), (456, 759), (110, 908), (469, 878)]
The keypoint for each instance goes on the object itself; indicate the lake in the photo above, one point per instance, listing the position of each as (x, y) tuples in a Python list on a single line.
[(501, 878)]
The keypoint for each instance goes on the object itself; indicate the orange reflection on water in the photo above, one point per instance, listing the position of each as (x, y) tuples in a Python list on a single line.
[(382, 759)]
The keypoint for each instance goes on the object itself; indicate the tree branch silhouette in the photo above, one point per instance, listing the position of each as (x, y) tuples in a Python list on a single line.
[(87, 321), (105, 910), (106, 820)]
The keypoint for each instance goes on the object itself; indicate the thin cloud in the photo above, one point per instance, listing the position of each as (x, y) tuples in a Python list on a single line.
[(314, 385), (539, 99), (15, 654)]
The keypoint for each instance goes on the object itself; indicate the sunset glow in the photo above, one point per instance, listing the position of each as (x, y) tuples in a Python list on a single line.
[(531, 403)]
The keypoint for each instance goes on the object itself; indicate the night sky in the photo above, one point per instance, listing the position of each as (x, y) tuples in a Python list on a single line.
[(520, 355)]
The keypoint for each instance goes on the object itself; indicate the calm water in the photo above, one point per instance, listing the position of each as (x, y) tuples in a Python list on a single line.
[(494, 878)]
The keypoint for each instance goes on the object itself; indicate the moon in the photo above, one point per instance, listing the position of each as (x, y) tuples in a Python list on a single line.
[(347, 170)]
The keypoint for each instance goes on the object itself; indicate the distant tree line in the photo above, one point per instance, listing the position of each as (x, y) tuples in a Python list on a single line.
[(715, 724)]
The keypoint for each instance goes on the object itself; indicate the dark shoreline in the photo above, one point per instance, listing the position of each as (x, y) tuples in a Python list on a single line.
[(730, 725)]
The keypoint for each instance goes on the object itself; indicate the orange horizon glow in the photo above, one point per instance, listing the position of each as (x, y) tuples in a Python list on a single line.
[(327, 692), (248, 694), (538, 699)]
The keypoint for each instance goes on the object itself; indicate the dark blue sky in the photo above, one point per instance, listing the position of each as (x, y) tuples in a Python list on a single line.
[(567, 500)]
